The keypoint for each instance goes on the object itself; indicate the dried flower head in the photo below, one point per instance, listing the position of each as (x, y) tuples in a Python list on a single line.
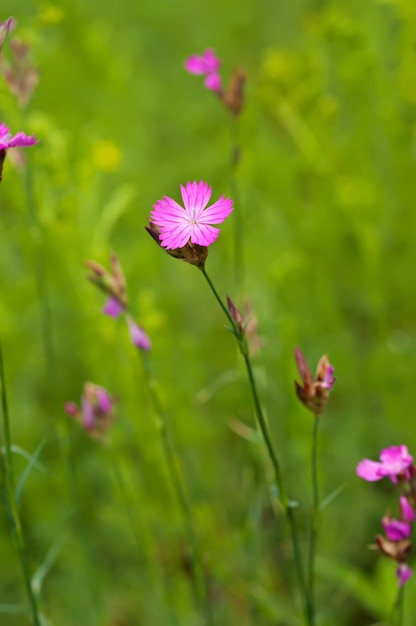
[(112, 283), (314, 392), (233, 97)]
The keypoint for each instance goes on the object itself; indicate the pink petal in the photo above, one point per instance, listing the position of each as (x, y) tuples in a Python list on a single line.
[(87, 413), (403, 573), (138, 336), (204, 235), (212, 62), (104, 401), (396, 530), (195, 65), (113, 308), (213, 82), (369, 470), (407, 510), (217, 212), (71, 409), (176, 237), (195, 197)]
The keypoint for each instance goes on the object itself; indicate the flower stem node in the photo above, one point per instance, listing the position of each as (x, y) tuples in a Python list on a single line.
[(314, 392)]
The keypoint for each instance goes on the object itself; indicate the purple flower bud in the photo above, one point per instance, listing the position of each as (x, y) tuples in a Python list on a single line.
[(138, 336)]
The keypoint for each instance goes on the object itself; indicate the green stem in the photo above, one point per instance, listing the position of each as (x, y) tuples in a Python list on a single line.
[(397, 613), (239, 269), (11, 499), (261, 420), (314, 522), (41, 284), (200, 586)]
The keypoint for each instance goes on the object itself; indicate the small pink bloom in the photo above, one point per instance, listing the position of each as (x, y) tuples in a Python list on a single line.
[(191, 222), (394, 461), (207, 65), (403, 573), (113, 307), (395, 529), (18, 140), (96, 413), (406, 509), (138, 336)]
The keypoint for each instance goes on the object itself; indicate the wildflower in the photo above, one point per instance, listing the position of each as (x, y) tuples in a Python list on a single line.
[(7, 141), (207, 65), (314, 393), (5, 28), (113, 284), (138, 336), (96, 413), (180, 225), (394, 462)]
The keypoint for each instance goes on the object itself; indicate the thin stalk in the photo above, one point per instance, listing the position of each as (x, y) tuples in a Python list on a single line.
[(314, 522), (15, 521), (261, 420), (200, 587), (40, 280), (397, 614), (239, 265)]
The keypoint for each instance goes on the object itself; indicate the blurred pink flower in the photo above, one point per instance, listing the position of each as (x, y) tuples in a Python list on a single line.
[(206, 64), (138, 336), (394, 461), (18, 140), (179, 224), (96, 413), (113, 307), (403, 573)]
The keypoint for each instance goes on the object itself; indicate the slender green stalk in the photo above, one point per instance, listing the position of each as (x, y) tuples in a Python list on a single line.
[(239, 265), (261, 420), (11, 499), (397, 614), (200, 586), (314, 522), (41, 284)]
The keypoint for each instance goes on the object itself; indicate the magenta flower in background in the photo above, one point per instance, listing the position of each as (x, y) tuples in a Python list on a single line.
[(18, 140), (394, 461), (206, 64), (138, 336), (96, 413), (396, 530), (403, 573), (191, 222), (113, 307)]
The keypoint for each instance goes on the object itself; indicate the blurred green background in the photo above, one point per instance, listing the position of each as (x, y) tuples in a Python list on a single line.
[(326, 195)]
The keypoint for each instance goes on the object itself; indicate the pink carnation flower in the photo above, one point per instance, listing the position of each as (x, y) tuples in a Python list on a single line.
[(191, 222), (19, 139), (208, 65), (393, 461)]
